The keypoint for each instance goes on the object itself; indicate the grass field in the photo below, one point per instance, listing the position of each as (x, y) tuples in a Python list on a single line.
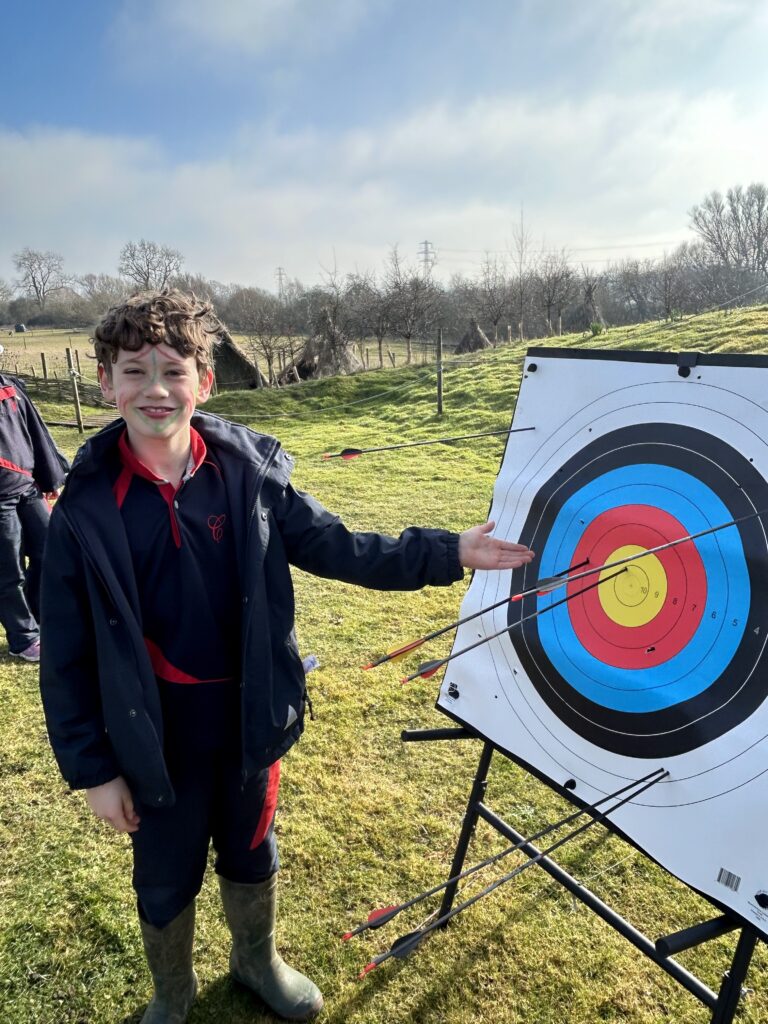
[(364, 820)]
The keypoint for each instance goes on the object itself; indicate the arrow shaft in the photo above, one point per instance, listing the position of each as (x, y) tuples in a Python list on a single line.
[(436, 440), (452, 625), (520, 622), (518, 871), (549, 583), (648, 551), (547, 830)]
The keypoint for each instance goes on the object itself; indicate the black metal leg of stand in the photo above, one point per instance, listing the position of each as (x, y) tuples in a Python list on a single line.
[(730, 991), (470, 820)]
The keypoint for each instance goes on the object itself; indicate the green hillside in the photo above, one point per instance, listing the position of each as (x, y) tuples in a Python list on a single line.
[(364, 820)]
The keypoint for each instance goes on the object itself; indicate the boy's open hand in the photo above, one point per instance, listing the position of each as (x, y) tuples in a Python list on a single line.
[(113, 803), (478, 550)]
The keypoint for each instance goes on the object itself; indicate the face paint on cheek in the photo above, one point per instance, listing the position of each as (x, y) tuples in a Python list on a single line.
[(159, 425)]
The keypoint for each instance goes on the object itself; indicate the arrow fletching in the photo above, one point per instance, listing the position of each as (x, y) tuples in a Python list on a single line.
[(425, 670), (405, 945), (379, 917), (396, 655), (347, 453), (375, 919)]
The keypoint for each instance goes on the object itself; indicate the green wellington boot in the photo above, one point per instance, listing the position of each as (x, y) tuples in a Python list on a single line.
[(169, 955), (255, 963)]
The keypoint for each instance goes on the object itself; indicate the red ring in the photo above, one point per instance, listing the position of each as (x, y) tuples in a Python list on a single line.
[(638, 647)]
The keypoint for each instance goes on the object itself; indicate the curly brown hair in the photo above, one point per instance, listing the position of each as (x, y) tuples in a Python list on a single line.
[(170, 317)]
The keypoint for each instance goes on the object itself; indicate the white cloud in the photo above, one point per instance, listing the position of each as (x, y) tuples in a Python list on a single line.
[(666, 17), (610, 169), (254, 27)]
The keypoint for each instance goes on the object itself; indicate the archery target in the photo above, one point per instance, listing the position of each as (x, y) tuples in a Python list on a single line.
[(659, 661), (654, 661)]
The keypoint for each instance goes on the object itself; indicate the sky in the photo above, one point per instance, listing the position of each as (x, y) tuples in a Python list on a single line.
[(315, 135)]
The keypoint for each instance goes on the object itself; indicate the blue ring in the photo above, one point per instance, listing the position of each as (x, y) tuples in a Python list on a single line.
[(710, 650)]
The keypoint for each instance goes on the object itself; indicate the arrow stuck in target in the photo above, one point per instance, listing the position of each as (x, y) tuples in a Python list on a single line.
[(428, 668), (553, 582), (401, 652), (542, 587)]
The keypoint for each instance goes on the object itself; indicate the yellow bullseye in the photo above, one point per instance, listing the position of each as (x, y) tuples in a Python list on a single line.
[(637, 595)]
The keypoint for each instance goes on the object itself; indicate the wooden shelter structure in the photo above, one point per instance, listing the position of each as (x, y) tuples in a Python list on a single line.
[(474, 340)]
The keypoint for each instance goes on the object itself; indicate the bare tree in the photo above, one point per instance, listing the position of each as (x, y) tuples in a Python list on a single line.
[(668, 286), (555, 286), (523, 264), (492, 293), (632, 284), (100, 291), (257, 314), (150, 266), (41, 274), (6, 294), (412, 298), (202, 287), (734, 228), (590, 282), (370, 309), (710, 282)]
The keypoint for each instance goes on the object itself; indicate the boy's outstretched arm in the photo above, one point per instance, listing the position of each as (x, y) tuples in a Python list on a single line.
[(113, 803), (478, 550)]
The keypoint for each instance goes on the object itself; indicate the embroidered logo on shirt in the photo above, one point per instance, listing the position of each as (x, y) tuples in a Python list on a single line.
[(216, 526)]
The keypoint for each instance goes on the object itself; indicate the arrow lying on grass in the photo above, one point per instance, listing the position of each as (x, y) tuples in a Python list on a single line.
[(352, 453), (379, 917), (406, 944), (428, 668)]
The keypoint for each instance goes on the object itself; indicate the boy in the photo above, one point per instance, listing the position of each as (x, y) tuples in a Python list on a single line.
[(171, 678), (30, 467)]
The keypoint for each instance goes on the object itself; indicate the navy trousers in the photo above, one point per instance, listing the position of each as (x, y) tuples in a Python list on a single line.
[(23, 525), (170, 848)]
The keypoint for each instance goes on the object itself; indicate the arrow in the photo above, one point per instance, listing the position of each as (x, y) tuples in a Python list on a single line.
[(545, 586), (414, 644), (428, 668), (552, 582), (406, 944), (353, 453), (380, 917)]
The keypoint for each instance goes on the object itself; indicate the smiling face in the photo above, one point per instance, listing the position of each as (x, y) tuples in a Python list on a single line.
[(156, 391)]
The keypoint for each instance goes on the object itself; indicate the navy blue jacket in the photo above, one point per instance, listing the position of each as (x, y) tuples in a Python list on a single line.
[(27, 451), (98, 687)]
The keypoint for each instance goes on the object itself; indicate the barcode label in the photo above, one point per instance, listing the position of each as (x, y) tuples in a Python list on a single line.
[(729, 880)]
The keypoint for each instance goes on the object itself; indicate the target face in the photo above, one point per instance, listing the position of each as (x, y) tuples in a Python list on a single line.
[(659, 661), (655, 661)]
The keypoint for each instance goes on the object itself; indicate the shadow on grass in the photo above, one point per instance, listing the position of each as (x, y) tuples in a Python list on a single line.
[(221, 1000)]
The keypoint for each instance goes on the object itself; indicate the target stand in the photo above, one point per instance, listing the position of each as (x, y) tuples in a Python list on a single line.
[(724, 1003), (661, 666)]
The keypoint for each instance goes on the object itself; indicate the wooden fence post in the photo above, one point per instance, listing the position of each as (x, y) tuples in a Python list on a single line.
[(45, 366), (75, 394), (439, 371)]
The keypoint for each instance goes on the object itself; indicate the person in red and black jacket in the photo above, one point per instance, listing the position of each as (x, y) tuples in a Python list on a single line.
[(30, 467), (171, 678)]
